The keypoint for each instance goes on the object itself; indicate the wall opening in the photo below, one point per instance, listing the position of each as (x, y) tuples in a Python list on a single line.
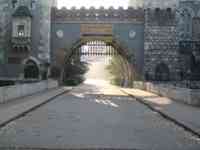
[(162, 72), (94, 56), (31, 70)]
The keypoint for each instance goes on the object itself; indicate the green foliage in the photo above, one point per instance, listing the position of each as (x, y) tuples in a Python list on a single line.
[(74, 81), (74, 74), (116, 70), (122, 71)]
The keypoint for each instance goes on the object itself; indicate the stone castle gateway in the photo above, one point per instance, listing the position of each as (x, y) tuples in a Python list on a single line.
[(162, 42), (108, 25)]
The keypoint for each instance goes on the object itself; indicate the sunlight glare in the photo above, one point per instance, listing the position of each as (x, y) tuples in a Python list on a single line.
[(95, 3)]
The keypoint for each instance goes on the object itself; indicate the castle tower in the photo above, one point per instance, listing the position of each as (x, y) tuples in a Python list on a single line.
[(161, 55), (29, 21)]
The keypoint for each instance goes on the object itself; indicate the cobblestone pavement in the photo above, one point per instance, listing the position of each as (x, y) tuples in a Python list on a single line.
[(93, 116)]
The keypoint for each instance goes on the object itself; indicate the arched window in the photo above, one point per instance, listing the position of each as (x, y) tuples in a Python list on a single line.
[(21, 30), (31, 70), (162, 72)]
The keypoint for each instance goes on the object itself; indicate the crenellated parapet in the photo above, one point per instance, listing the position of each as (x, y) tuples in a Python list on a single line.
[(162, 4), (99, 15), (160, 16)]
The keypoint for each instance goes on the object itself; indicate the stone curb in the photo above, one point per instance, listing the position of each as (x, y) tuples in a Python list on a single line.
[(164, 114), (19, 115)]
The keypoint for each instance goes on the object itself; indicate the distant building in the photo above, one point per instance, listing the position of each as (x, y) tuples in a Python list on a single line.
[(136, 3)]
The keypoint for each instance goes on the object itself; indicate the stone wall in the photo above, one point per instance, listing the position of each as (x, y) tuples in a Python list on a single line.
[(184, 95), (9, 93), (161, 44), (160, 3), (97, 15)]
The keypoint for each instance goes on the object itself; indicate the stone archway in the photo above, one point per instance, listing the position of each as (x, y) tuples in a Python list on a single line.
[(31, 70), (121, 50), (162, 72), (116, 44)]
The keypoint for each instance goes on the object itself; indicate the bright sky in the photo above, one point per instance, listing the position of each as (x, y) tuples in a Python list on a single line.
[(95, 3)]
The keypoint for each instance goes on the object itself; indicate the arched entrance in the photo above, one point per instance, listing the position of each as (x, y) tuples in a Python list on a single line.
[(123, 29), (162, 72), (31, 70), (125, 61)]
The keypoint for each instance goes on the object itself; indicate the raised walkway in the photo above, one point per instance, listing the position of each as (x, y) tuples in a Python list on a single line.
[(19, 107), (185, 115)]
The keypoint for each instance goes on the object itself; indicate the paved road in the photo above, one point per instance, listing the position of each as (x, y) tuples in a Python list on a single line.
[(92, 116)]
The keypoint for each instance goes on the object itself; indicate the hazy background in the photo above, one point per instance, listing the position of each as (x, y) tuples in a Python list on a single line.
[(98, 3)]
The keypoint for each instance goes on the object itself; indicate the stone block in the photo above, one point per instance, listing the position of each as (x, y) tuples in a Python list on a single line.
[(11, 92), (183, 95)]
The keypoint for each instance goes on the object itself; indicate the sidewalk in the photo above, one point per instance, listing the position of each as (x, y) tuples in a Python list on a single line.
[(185, 115), (17, 108)]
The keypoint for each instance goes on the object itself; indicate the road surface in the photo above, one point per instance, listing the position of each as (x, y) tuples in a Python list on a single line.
[(95, 115)]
